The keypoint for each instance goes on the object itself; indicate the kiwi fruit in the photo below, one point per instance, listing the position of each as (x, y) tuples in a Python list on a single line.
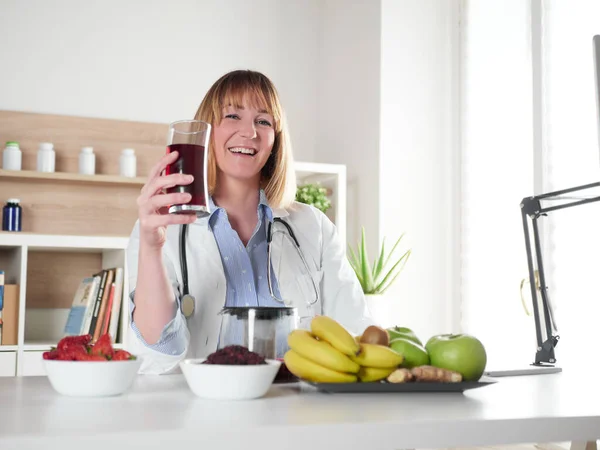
[(375, 335)]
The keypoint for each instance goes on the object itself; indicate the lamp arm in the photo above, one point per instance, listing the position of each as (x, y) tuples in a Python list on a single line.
[(542, 356), (531, 207)]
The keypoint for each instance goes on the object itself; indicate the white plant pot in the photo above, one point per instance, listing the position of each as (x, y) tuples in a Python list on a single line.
[(380, 309)]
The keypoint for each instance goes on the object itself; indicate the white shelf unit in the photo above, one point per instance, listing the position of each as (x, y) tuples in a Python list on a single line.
[(41, 328)]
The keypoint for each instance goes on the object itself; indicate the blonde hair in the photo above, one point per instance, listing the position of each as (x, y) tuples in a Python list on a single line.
[(278, 178)]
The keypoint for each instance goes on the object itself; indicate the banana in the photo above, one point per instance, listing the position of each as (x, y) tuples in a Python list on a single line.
[(374, 355), (367, 374), (307, 370), (320, 352), (329, 330)]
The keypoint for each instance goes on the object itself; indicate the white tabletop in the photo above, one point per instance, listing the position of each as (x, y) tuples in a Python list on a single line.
[(161, 411)]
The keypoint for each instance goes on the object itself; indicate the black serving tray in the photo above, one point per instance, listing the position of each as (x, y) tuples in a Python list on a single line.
[(415, 386)]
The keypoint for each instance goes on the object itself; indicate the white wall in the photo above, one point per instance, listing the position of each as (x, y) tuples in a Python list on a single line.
[(151, 60), (418, 182), (348, 106), (369, 84), (387, 108)]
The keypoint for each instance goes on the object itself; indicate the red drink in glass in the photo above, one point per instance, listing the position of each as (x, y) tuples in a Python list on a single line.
[(190, 161), (189, 138)]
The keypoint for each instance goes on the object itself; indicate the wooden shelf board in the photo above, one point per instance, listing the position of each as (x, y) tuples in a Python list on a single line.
[(71, 177), (303, 170)]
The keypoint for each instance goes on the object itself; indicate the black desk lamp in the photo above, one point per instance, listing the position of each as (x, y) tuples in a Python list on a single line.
[(532, 207)]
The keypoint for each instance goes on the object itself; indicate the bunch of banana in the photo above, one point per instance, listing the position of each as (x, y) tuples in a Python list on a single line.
[(328, 353), (323, 354), (376, 362)]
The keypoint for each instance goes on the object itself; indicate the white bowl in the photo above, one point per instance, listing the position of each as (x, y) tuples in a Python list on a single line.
[(91, 378), (229, 382)]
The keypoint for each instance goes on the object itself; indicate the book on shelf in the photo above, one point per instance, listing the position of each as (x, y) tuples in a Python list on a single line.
[(1, 302), (78, 307), (96, 305), (113, 326), (111, 297), (1, 289), (89, 311), (98, 318), (9, 311), (10, 315)]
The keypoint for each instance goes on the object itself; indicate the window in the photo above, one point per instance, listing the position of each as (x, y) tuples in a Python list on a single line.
[(571, 157), (497, 171), (527, 71)]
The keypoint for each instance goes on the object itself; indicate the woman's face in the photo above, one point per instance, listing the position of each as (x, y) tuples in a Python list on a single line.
[(243, 141)]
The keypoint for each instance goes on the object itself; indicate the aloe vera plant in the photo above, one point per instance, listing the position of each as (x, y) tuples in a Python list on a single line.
[(376, 278)]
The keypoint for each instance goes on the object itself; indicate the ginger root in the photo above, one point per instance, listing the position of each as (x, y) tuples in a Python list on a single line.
[(430, 373), (400, 376)]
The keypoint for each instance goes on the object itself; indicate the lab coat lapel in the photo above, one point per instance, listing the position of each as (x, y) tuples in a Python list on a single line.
[(207, 282), (207, 251)]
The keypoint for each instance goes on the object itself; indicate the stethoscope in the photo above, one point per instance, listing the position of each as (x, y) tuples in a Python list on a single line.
[(188, 302)]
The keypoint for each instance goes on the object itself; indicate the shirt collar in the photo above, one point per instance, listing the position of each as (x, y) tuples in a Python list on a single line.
[(264, 203), (264, 209)]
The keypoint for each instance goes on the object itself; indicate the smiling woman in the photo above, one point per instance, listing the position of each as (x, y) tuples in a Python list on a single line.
[(246, 107), (251, 186)]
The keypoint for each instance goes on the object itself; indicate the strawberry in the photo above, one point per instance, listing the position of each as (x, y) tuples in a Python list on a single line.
[(52, 354), (70, 353), (68, 341), (103, 347), (76, 351), (64, 356), (122, 355)]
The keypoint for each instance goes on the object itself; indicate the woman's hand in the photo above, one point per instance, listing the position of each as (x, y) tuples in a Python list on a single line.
[(153, 203)]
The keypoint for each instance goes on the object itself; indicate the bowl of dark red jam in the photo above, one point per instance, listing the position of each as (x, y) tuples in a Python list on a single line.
[(231, 373)]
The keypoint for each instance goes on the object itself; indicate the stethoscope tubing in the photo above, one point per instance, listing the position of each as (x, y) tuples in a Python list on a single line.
[(188, 301)]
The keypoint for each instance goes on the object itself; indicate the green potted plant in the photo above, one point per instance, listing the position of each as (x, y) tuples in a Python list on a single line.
[(376, 278), (313, 194)]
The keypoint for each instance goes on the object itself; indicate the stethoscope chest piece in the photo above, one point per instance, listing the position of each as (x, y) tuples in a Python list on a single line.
[(188, 304)]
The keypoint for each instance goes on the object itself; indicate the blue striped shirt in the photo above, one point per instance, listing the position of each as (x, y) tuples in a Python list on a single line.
[(245, 267), (245, 270)]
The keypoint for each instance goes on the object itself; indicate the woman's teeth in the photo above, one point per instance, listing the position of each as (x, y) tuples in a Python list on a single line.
[(245, 151)]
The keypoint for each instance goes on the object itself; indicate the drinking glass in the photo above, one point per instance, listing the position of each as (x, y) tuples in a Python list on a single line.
[(190, 139)]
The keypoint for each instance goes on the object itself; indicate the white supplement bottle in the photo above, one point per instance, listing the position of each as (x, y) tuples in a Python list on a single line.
[(46, 157), (12, 156), (128, 163), (87, 161)]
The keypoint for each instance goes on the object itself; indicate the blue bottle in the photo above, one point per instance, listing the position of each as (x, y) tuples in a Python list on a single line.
[(11, 215)]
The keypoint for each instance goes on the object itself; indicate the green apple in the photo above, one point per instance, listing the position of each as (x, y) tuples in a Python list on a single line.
[(462, 353), (398, 332), (414, 354)]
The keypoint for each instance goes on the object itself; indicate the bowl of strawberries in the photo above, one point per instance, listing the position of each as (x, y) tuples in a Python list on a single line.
[(77, 367)]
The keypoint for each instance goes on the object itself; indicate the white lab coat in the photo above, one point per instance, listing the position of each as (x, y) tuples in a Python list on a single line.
[(341, 296)]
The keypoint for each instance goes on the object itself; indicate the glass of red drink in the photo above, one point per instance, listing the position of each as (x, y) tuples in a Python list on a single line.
[(189, 138)]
